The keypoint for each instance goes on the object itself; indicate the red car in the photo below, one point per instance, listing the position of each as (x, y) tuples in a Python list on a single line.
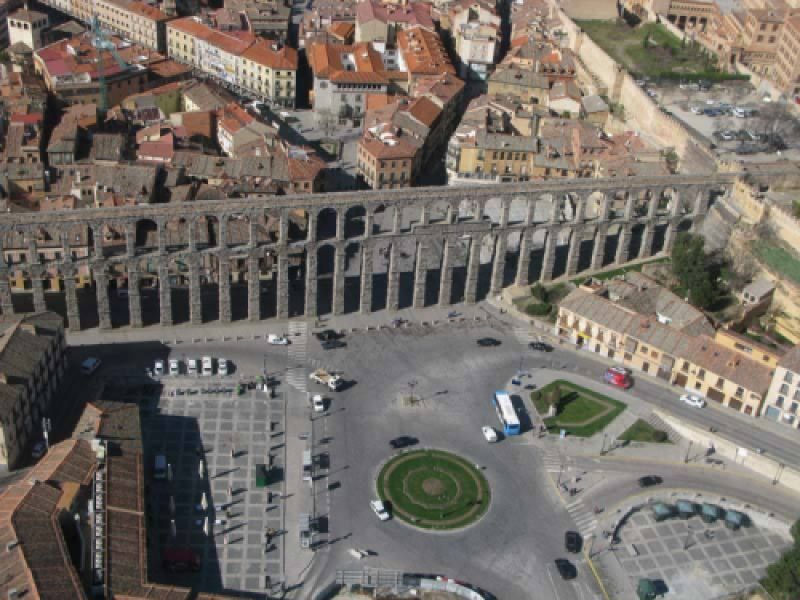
[(618, 376)]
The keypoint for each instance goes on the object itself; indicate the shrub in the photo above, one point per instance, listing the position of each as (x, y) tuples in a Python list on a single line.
[(537, 309), (795, 531), (539, 292), (660, 436)]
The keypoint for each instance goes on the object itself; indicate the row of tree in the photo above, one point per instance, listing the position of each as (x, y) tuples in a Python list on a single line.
[(696, 271)]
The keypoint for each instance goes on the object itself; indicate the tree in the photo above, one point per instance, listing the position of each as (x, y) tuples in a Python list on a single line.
[(646, 41), (796, 209), (539, 292), (692, 267), (553, 397)]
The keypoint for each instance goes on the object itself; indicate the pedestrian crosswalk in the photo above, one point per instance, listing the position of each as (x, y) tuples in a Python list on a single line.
[(552, 459), (297, 374), (524, 334), (584, 518)]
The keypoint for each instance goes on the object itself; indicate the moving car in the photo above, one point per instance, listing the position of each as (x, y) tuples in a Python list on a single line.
[(159, 368), (277, 340), (326, 335), (693, 400), (488, 342), (90, 365), (489, 433), (332, 344), (403, 442), (318, 402), (649, 481), (379, 509), (540, 347), (573, 541), (38, 450), (566, 569), (618, 376)]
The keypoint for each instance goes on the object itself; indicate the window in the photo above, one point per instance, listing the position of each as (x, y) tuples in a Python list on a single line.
[(739, 392), (644, 349), (793, 408), (701, 374), (720, 382), (685, 366), (788, 377), (784, 389)]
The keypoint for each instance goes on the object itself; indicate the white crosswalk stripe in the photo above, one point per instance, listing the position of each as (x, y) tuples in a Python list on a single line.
[(524, 334), (553, 461), (297, 374), (585, 521)]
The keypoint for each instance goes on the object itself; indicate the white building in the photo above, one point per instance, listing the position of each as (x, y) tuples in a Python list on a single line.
[(782, 403), (26, 26)]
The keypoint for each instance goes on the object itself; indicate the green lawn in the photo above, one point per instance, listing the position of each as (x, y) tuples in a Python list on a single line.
[(777, 259), (642, 431), (664, 54), (581, 412)]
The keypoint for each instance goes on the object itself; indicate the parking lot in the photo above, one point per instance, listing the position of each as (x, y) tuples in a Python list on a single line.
[(698, 560), (217, 509), (711, 113)]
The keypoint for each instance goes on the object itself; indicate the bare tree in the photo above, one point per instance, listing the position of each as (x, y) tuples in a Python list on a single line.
[(775, 123)]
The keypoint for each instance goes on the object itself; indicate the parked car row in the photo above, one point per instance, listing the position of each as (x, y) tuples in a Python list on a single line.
[(714, 109), (194, 366)]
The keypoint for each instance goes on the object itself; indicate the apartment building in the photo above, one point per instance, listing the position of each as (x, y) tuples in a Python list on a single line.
[(32, 364), (474, 27), (343, 78), (269, 72), (26, 27), (237, 59), (376, 22), (421, 54), (650, 332), (787, 67), (139, 22)]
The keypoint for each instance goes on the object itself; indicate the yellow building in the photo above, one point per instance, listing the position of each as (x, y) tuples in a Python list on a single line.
[(645, 343)]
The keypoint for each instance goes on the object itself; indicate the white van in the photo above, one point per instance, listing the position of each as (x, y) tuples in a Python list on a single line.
[(222, 366), (308, 468), (160, 467), (208, 365), (90, 365), (192, 366), (174, 366)]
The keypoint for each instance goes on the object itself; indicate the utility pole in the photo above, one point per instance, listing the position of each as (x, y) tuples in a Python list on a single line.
[(688, 450)]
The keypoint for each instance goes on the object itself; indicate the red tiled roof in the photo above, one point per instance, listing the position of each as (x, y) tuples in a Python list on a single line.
[(424, 51), (262, 52), (424, 110)]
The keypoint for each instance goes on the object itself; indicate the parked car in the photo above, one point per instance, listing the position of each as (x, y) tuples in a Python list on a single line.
[(38, 450), (90, 365), (566, 569), (379, 509), (573, 541), (192, 366), (222, 366), (488, 342), (618, 376), (693, 400), (697, 110), (159, 368), (650, 481), (727, 135), (326, 335), (277, 340), (318, 402), (174, 366), (403, 441), (489, 433)]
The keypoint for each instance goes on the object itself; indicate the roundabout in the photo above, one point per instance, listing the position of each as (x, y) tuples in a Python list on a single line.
[(433, 489)]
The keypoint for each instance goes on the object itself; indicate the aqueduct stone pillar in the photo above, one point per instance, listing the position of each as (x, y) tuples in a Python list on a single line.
[(524, 264), (282, 308), (253, 288), (393, 278), (164, 295), (499, 264), (365, 296), (134, 296), (224, 289), (473, 268), (103, 305), (446, 275), (311, 281), (420, 275), (339, 274)]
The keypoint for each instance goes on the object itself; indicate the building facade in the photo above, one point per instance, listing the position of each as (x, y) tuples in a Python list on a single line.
[(783, 398), (32, 365)]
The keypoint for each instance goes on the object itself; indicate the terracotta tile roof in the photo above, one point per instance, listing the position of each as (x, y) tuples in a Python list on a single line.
[(342, 31), (262, 52), (791, 360), (424, 110), (326, 60), (377, 101), (358, 77), (424, 52), (141, 9), (729, 364), (397, 148)]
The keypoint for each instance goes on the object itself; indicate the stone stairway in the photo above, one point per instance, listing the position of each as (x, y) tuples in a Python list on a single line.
[(657, 422)]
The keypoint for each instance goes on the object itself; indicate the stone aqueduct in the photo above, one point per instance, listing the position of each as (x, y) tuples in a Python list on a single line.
[(297, 255)]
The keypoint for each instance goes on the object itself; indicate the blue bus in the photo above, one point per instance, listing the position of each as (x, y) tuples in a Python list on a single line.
[(506, 413)]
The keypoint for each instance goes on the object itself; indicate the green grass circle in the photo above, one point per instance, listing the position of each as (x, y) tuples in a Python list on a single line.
[(433, 489)]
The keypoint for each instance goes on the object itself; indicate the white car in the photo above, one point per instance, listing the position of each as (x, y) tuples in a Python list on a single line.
[(277, 340), (38, 450), (192, 366), (174, 366), (379, 509), (318, 402), (693, 400), (159, 369), (697, 110), (489, 433), (222, 366)]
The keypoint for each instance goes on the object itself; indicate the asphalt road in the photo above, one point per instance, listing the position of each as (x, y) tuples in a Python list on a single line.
[(510, 552)]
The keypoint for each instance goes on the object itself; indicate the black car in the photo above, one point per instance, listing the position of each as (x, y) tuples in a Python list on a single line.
[(540, 347), (566, 569), (650, 480), (404, 441), (573, 541), (487, 342), (327, 335), (332, 344)]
